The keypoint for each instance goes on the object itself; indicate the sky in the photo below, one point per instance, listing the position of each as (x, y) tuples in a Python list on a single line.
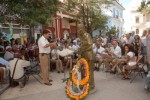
[(128, 4), (125, 3)]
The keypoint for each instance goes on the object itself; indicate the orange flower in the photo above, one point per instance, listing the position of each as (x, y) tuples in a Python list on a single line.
[(86, 79), (83, 82)]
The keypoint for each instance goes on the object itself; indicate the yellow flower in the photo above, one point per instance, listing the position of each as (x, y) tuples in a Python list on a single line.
[(83, 82)]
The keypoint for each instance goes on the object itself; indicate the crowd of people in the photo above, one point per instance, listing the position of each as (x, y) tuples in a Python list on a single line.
[(108, 50), (31, 52), (123, 54)]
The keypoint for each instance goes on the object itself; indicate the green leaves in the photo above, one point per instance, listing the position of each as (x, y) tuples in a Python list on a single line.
[(145, 7), (112, 31), (29, 12), (89, 13)]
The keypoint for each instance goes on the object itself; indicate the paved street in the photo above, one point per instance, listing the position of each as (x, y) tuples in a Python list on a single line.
[(108, 87)]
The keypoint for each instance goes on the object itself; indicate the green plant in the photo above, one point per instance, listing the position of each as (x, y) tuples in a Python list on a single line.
[(28, 12), (112, 31), (90, 13)]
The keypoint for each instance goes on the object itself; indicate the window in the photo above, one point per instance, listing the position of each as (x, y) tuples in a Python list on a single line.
[(137, 19), (120, 15), (114, 12), (117, 14)]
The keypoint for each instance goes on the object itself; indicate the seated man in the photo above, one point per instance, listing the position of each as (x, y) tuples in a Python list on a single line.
[(129, 59), (98, 50), (113, 53), (19, 74), (55, 59), (118, 63)]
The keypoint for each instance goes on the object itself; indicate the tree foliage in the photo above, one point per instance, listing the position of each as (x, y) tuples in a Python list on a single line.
[(28, 12), (112, 31), (145, 7), (90, 13)]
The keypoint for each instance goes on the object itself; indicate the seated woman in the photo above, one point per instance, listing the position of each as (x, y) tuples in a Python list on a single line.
[(137, 45), (130, 59), (131, 65), (55, 59), (118, 62)]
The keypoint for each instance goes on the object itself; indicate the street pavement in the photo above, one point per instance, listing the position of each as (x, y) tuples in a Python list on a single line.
[(108, 87)]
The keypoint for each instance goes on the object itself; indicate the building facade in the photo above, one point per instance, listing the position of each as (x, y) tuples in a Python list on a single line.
[(64, 23), (139, 21), (114, 12)]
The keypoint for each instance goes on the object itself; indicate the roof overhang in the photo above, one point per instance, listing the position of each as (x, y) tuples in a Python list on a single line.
[(118, 4)]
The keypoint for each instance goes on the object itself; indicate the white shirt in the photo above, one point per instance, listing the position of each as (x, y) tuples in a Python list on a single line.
[(8, 55), (99, 50), (19, 72), (41, 43), (123, 40), (143, 39), (132, 39), (116, 51), (130, 54), (104, 41), (75, 41), (54, 54), (75, 47), (132, 60), (93, 46), (128, 41)]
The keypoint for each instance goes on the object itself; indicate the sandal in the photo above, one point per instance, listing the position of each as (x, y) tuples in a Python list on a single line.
[(125, 78), (113, 72), (107, 71)]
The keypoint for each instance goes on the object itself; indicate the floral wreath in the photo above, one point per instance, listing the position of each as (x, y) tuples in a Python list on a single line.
[(82, 85)]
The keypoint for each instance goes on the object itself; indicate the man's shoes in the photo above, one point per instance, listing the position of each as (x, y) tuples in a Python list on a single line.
[(50, 80), (58, 72), (49, 84), (97, 69), (64, 80)]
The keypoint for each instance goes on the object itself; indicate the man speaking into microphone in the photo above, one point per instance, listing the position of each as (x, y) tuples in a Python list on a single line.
[(44, 53)]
